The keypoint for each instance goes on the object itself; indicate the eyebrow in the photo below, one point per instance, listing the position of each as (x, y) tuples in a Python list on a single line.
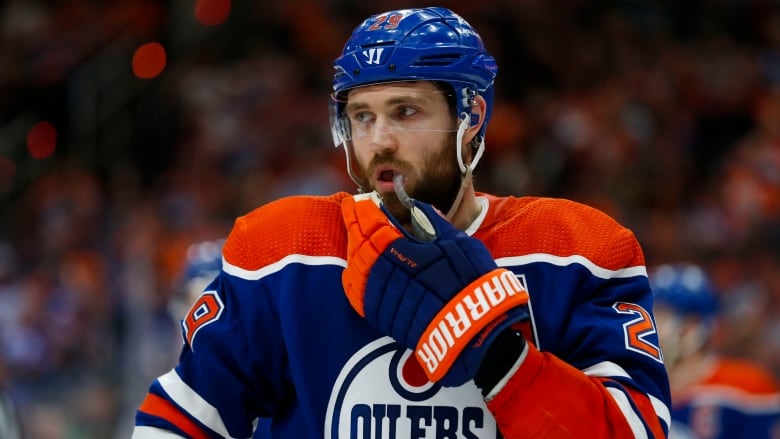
[(395, 100)]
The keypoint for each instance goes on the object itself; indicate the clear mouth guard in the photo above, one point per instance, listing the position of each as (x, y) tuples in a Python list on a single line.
[(422, 228)]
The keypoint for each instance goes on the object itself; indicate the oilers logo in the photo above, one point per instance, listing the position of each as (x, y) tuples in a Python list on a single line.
[(382, 393)]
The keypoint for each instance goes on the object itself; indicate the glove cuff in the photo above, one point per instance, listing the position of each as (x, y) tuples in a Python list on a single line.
[(472, 310), (503, 356)]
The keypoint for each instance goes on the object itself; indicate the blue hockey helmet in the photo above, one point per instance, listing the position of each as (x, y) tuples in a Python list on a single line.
[(429, 44), (203, 263), (204, 259), (685, 289)]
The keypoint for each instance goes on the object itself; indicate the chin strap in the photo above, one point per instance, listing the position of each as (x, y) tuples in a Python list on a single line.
[(465, 170), (347, 146)]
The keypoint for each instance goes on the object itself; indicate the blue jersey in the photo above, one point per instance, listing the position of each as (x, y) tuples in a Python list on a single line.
[(273, 345)]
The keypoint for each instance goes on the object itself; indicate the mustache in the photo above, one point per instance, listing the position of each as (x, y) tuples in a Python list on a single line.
[(387, 160)]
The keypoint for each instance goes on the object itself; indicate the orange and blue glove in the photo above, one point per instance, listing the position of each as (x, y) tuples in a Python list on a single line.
[(444, 297)]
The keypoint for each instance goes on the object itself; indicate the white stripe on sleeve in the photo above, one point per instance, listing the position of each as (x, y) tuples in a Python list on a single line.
[(193, 403), (141, 432)]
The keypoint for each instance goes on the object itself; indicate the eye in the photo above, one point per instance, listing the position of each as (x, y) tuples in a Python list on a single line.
[(361, 117), (406, 111)]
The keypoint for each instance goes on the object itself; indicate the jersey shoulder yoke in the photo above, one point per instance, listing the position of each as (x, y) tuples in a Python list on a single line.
[(302, 224), (558, 227)]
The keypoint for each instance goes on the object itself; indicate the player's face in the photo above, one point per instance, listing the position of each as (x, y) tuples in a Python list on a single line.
[(669, 325), (680, 336), (405, 128)]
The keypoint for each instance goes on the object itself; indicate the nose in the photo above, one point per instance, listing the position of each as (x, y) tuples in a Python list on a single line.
[(382, 137)]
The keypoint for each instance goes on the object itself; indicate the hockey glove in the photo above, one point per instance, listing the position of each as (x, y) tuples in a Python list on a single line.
[(445, 299)]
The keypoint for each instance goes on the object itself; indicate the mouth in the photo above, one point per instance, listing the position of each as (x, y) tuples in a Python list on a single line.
[(383, 177)]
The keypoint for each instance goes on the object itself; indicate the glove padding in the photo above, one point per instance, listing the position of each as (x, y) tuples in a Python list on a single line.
[(446, 299)]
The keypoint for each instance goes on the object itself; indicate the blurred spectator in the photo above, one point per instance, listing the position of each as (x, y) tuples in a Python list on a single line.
[(713, 396), (10, 423)]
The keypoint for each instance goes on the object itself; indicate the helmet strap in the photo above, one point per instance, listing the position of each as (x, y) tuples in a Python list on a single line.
[(465, 170), (361, 187)]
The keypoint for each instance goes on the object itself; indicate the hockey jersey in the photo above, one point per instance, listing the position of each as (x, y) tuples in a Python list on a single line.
[(734, 399), (273, 349)]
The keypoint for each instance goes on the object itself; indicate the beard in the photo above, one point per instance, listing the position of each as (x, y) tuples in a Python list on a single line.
[(437, 184)]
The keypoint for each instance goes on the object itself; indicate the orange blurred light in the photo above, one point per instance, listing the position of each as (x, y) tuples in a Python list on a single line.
[(212, 12), (149, 60), (42, 140)]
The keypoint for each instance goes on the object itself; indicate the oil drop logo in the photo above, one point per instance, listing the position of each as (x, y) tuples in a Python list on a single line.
[(382, 393)]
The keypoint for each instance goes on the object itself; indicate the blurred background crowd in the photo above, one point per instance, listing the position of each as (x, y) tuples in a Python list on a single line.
[(664, 114)]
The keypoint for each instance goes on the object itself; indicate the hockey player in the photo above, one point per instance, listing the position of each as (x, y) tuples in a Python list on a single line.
[(713, 397), (418, 307)]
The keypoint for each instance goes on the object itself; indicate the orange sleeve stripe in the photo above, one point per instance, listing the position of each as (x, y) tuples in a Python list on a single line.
[(157, 406)]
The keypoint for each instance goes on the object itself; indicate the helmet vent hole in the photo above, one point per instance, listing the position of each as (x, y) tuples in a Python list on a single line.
[(379, 44), (438, 60)]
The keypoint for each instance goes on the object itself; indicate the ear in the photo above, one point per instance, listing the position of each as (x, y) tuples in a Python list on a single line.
[(478, 110)]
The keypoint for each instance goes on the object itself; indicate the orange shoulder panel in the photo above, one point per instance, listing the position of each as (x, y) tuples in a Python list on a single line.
[(305, 225), (744, 375), (559, 227)]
